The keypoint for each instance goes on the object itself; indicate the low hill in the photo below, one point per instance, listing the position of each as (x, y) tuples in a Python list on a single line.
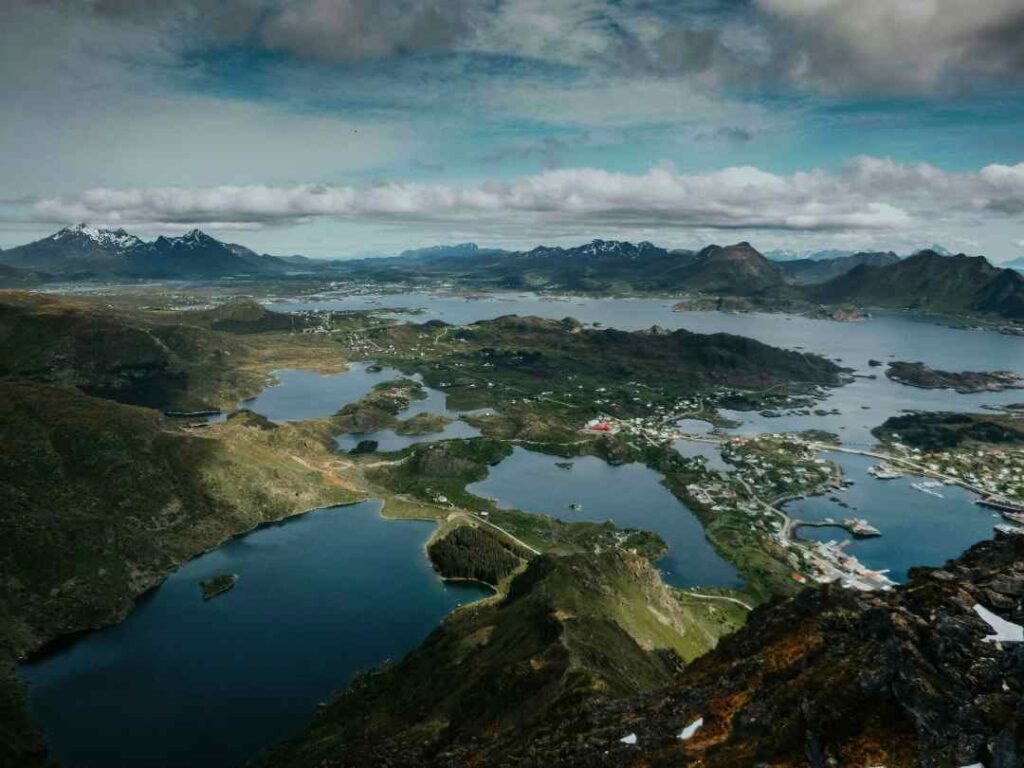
[(127, 357), (733, 269), (929, 281), (16, 277), (99, 501), (551, 350), (240, 316), (571, 629)]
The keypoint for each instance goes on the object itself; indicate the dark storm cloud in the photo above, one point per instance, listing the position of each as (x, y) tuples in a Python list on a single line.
[(871, 46)]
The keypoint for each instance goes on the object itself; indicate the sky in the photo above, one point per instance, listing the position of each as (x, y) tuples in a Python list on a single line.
[(340, 128)]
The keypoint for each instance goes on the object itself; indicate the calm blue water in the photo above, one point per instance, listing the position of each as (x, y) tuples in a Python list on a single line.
[(917, 528), (184, 683), (694, 426), (904, 335), (863, 405), (388, 440), (711, 453), (631, 495), (302, 394)]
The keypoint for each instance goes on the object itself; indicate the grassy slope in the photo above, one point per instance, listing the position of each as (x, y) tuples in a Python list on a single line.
[(571, 628), (168, 362), (533, 354), (99, 501), (111, 497)]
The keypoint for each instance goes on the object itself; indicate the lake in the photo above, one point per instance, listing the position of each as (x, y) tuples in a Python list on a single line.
[(184, 683), (630, 494), (711, 452), (917, 528), (302, 394)]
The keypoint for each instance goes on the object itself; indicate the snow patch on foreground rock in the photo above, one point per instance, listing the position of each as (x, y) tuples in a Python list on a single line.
[(1005, 631), (687, 733)]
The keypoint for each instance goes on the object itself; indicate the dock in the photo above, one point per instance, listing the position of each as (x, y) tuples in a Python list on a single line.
[(857, 527)]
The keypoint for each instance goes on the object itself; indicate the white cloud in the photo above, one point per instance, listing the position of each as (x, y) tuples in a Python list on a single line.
[(869, 194)]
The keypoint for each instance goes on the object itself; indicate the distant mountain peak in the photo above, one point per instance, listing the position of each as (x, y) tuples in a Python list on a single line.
[(104, 238)]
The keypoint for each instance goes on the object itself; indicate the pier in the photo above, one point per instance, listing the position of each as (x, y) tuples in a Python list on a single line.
[(858, 528)]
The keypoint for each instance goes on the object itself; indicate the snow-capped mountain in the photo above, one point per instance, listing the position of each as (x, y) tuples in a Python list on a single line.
[(80, 248), (85, 250), (101, 238), (599, 249)]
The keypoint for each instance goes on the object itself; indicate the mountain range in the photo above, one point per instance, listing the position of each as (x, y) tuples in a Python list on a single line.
[(600, 265), (811, 270), (929, 280), (932, 282), (85, 251)]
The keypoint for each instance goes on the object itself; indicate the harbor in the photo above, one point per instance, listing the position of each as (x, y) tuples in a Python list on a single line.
[(925, 502)]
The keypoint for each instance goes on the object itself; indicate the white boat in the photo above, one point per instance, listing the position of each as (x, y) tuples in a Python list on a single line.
[(925, 489), (884, 472)]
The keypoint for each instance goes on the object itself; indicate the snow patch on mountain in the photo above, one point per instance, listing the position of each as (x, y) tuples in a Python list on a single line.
[(107, 238)]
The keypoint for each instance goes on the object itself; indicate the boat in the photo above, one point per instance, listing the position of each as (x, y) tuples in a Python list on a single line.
[(576, 506), (925, 489), (884, 472), (861, 528)]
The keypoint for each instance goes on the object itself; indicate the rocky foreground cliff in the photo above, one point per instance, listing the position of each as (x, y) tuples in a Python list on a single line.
[(930, 674)]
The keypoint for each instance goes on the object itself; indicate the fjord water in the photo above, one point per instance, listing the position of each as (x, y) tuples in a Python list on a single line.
[(863, 405), (917, 528), (629, 494), (184, 683)]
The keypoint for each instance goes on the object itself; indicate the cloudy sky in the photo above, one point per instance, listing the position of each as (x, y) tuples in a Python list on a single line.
[(343, 127)]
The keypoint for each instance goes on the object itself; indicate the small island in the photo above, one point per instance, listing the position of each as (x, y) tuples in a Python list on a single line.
[(218, 585), (966, 382)]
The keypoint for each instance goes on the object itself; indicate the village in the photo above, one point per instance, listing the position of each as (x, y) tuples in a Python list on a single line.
[(766, 472)]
